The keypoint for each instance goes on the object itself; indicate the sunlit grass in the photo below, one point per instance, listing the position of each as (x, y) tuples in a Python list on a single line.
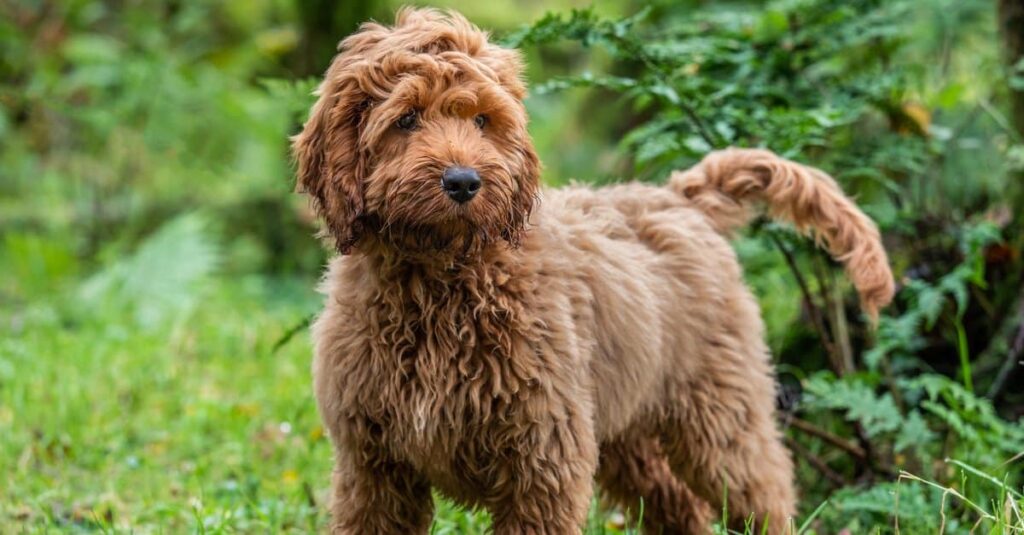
[(196, 425)]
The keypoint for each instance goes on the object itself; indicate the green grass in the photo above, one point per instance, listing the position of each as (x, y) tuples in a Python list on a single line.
[(196, 426)]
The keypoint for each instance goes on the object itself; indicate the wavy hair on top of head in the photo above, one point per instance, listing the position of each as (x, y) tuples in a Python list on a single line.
[(361, 176)]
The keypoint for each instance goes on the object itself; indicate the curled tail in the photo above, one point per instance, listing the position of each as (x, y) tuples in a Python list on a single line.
[(725, 182)]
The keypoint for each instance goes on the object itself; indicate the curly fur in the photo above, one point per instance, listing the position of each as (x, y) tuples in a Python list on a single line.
[(507, 359)]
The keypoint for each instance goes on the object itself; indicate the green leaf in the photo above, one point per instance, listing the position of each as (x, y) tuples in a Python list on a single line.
[(162, 280), (86, 48), (1017, 76), (877, 414), (656, 146), (931, 302), (914, 433)]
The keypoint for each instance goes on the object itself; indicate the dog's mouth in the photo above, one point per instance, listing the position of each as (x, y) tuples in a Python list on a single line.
[(458, 237), (423, 218)]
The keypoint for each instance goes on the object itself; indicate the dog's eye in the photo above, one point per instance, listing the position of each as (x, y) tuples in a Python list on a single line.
[(407, 121), (480, 120)]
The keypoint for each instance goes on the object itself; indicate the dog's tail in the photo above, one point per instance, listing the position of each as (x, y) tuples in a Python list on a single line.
[(725, 182)]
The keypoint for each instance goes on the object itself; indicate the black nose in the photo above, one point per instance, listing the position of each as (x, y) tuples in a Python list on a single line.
[(460, 183)]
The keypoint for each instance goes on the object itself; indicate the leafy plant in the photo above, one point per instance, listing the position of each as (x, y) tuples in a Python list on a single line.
[(162, 280)]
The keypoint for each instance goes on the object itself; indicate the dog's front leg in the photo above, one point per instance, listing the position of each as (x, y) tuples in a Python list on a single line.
[(549, 478), (372, 495)]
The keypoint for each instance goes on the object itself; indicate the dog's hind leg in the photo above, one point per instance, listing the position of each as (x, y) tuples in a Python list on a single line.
[(634, 468), (721, 437)]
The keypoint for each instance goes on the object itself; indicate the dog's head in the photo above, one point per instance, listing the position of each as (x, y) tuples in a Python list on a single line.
[(419, 137)]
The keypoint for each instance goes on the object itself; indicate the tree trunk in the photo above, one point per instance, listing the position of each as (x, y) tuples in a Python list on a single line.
[(1011, 28), (1011, 31), (324, 23)]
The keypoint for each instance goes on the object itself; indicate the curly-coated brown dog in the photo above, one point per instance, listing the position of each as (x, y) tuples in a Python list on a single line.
[(506, 345)]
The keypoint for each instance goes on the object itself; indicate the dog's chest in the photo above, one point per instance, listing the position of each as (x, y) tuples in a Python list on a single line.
[(462, 376)]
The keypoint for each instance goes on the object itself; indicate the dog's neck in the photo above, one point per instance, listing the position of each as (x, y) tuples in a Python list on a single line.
[(398, 249), (452, 261)]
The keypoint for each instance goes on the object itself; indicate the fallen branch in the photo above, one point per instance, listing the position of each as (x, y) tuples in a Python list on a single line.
[(863, 454), (839, 442), (817, 463)]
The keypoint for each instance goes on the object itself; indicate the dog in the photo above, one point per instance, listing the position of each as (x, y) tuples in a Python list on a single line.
[(505, 345)]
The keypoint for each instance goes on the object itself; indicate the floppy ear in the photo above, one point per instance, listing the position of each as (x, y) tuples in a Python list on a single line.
[(508, 64), (527, 178), (330, 167)]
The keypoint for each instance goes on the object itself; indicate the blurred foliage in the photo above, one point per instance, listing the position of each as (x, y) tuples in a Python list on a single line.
[(154, 262)]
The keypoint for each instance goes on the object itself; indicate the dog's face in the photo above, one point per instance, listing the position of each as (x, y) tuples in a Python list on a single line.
[(419, 138)]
